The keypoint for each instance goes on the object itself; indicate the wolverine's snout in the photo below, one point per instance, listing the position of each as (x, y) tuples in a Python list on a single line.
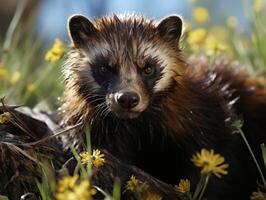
[(127, 99)]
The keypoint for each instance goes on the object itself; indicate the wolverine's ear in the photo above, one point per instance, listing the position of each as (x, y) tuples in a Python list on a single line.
[(170, 28), (80, 29)]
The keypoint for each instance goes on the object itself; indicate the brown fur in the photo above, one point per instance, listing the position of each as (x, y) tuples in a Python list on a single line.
[(190, 106), (130, 39)]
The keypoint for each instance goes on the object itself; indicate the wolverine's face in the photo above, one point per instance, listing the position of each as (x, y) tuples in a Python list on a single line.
[(122, 64)]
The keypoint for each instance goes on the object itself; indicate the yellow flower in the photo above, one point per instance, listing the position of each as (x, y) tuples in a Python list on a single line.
[(200, 14), (219, 32), (196, 36), (30, 87), (142, 189), (232, 22), (97, 158), (15, 77), (66, 183), (133, 183), (85, 157), (69, 189), (210, 163), (5, 117), (151, 196), (212, 45), (3, 72), (183, 186), (56, 52), (258, 5)]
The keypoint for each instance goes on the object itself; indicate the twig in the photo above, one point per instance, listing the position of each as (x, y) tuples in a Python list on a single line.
[(52, 136), (20, 151), (16, 120)]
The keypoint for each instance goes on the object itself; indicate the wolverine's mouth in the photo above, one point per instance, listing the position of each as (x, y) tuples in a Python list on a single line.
[(127, 114), (122, 113)]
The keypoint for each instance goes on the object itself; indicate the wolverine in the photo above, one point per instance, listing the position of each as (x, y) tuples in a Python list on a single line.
[(153, 107)]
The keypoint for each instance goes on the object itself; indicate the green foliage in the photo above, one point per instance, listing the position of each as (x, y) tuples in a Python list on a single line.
[(26, 78), (3, 197), (47, 184), (117, 190), (238, 125)]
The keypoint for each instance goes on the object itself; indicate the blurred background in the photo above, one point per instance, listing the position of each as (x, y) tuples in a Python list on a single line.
[(33, 38), (49, 16)]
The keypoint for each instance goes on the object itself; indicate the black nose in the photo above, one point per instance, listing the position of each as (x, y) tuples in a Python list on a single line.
[(127, 100)]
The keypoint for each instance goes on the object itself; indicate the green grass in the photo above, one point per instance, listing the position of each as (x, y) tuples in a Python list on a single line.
[(26, 78)]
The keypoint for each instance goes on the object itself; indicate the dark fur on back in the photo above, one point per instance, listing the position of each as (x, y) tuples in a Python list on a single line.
[(194, 109)]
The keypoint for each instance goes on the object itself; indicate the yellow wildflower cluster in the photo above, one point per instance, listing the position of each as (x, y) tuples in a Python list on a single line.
[(258, 5), (3, 72), (5, 117), (210, 163), (183, 186), (85, 157), (200, 14), (197, 36), (212, 45), (69, 189), (97, 158), (30, 87), (232, 22), (133, 183), (56, 52), (199, 39), (15, 77), (141, 188)]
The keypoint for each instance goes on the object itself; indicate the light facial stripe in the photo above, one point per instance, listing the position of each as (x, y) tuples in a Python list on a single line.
[(168, 68)]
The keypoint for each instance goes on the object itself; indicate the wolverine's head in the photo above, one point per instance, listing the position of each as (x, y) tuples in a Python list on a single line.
[(121, 63)]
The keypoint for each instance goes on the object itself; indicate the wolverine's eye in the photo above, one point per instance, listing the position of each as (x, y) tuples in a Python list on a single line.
[(148, 71), (104, 69)]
